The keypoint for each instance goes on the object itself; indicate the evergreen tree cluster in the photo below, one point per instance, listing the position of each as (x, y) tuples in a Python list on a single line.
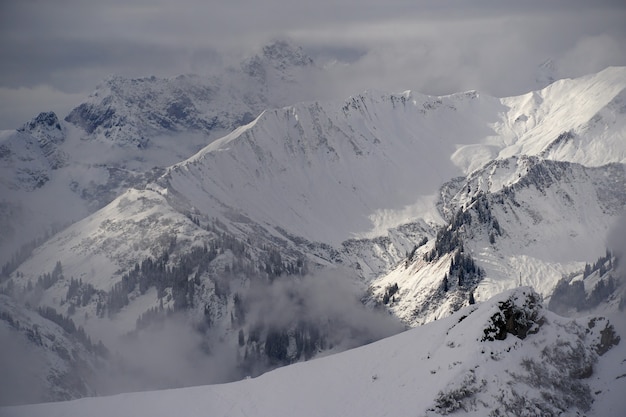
[(6, 316), (78, 293), (23, 253), (390, 291), (67, 324), (480, 205), (47, 280), (153, 315), (273, 349), (464, 269), (572, 295), (603, 264), (157, 273), (449, 237), (411, 255), (184, 276), (276, 346), (308, 340)]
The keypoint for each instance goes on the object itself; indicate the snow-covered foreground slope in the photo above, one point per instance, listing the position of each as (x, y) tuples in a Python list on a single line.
[(507, 356)]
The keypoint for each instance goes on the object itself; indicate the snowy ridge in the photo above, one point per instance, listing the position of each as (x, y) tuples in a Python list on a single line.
[(308, 169), (586, 108), (306, 155), (104, 244), (525, 218), (30, 153), (476, 361)]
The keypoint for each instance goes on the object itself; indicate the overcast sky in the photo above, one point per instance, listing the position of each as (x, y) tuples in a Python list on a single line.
[(53, 53)]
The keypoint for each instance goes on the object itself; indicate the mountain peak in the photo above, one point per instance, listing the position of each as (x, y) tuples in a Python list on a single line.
[(46, 126), (279, 56), (546, 73), (282, 54)]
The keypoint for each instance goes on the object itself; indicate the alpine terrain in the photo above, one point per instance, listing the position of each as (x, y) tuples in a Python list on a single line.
[(193, 230)]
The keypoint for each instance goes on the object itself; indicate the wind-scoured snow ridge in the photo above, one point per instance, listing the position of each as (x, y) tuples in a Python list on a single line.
[(580, 120), (506, 356)]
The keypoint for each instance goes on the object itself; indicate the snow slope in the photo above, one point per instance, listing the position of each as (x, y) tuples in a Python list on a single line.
[(542, 364), (90, 245)]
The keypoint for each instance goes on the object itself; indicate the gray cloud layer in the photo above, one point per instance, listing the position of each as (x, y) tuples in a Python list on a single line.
[(62, 48)]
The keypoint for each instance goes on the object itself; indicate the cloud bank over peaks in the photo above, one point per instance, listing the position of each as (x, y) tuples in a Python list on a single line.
[(51, 53)]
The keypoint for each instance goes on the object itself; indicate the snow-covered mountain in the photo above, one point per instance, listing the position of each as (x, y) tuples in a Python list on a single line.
[(136, 112), (419, 204), (518, 219), (506, 356), (125, 132)]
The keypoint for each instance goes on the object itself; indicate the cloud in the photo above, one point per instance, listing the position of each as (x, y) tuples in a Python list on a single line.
[(437, 47), (592, 52), (19, 105), (616, 243), (166, 355), (174, 353), (328, 299), (20, 367), (496, 54)]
